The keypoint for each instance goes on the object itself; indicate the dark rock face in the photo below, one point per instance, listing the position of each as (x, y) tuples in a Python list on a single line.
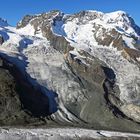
[(9, 101), (1, 40), (84, 16), (109, 37), (42, 19), (58, 43), (25, 21), (20, 102)]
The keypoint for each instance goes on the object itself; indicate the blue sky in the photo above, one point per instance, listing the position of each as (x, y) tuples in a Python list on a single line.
[(14, 10)]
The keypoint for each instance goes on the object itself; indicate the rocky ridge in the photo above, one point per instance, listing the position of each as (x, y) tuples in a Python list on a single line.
[(13, 98)]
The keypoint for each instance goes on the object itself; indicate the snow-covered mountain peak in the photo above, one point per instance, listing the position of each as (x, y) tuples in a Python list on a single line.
[(118, 20), (116, 14), (85, 41), (122, 21), (116, 17), (39, 19)]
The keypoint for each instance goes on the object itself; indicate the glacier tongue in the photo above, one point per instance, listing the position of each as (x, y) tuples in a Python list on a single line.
[(47, 66)]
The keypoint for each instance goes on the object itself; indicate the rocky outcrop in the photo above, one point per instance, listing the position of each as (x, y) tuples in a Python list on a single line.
[(1, 39), (25, 21), (107, 38), (57, 42), (131, 54), (20, 102)]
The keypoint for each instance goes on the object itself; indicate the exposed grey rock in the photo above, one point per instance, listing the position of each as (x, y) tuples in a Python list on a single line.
[(20, 103), (25, 21), (1, 39)]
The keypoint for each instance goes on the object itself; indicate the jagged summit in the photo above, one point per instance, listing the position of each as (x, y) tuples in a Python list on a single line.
[(118, 20), (44, 17)]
